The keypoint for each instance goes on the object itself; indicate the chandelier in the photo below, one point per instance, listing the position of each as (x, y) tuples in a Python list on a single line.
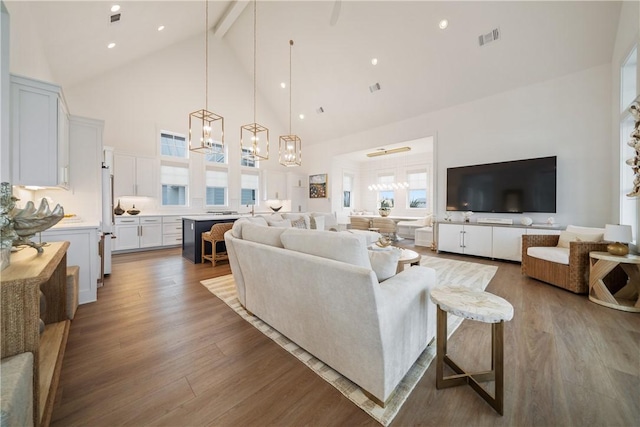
[(202, 137), (254, 138), (290, 146)]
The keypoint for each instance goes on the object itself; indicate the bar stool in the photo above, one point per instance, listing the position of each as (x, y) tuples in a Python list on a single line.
[(215, 236), (483, 307)]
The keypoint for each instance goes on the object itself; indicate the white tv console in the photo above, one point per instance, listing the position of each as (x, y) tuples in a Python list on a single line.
[(487, 240)]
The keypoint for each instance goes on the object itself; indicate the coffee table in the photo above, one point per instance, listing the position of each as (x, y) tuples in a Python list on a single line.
[(408, 257)]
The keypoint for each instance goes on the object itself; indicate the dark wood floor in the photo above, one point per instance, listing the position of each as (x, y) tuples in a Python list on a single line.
[(158, 349)]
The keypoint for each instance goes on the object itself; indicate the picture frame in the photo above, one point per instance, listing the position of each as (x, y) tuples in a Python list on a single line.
[(318, 186)]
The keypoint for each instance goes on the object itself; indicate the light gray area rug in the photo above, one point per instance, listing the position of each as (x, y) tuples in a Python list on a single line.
[(464, 273)]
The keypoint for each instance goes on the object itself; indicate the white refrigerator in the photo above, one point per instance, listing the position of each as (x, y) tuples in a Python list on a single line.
[(107, 219)]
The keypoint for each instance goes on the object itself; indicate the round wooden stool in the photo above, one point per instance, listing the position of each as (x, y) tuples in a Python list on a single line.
[(474, 305)]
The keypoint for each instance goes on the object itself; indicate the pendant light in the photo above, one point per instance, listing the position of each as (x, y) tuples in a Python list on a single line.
[(202, 122), (254, 138), (290, 147)]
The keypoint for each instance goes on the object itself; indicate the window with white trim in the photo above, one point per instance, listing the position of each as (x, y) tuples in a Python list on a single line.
[(385, 182), (173, 145), (246, 160), (218, 154), (175, 183), (217, 182), (628, 92), (249, 185), (417, 191)]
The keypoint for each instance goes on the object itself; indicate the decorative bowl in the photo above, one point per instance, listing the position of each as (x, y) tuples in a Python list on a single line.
[(275, 209), (133, 211)]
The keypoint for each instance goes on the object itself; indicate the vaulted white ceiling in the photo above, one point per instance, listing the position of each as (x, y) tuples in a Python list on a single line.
[(420, 69)]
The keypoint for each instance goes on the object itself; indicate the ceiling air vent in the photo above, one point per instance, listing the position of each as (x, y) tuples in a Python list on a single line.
[(115, 18), (489, 37), (320, 110), (374, 87)]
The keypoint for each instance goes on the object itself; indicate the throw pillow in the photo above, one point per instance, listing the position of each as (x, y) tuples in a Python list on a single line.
[(317, 223), (282, 223), (384, 263), (567, 236), (299, 223)]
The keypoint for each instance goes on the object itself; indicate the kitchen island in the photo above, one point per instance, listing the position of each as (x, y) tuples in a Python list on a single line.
[(192, 229)]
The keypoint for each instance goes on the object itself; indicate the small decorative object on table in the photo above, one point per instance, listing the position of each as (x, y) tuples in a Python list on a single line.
[(467, 215), (17, 226), (551, 221), (385, 207), (133, 211), (384, 241), (619, 236), (526, 221), (447, 217), (118, 210)]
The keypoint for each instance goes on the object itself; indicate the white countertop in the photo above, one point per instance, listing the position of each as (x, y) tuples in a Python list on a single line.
[(71, 225), (205, 217)]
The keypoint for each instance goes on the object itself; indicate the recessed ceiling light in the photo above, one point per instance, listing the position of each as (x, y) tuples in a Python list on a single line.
[(301, 116), (115, 8), (444, 23), (161, 27), (283, 85), (111, 45), (374, 61)]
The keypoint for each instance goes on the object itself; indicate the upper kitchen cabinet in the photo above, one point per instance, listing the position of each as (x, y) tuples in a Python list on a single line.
[(134, 176), (39, 133), (275, 185)]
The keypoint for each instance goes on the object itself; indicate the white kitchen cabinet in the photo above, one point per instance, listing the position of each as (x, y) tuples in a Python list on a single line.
[(171, 230), (127, 234), (39, 133), (83, 252), (150, 231), (298, 192), (276, 185), (137, 232), (134, 176), (465, 239)]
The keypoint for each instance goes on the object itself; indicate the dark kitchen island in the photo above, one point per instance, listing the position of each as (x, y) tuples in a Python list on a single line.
[(192, 229)]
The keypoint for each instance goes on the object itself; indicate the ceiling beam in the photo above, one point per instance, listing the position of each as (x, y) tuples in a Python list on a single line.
[(231, 14)]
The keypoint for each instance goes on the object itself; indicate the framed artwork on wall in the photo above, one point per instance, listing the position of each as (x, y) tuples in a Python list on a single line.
[(318, 186)]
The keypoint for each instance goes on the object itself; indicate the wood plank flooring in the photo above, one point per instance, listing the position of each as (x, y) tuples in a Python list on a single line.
[(158, 349)]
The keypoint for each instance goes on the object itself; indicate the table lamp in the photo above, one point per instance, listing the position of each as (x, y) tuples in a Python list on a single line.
[(619, 235)]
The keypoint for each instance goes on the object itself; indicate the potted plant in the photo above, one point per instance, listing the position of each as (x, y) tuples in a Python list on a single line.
[(385, 207)]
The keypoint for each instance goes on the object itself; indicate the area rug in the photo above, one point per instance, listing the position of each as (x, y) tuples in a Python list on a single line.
[(463, 273)]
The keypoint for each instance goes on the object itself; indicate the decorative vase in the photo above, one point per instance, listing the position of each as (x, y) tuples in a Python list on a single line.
[(384, 212), (118, 210), (133, 211)]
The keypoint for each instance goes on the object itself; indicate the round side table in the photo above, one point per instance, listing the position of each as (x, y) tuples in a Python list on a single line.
[(627, 298), (483, 307)]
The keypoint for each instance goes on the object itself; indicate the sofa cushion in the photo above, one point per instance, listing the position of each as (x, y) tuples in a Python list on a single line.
[(236, 230), (330, 220), (368, 236), (337, 246), (286, 223), (579, 234), (384, 262), (296, 217), (550, 253), (317, 223), (265, 235)]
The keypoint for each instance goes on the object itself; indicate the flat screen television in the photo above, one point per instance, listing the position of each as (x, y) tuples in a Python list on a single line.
[(507, 187)]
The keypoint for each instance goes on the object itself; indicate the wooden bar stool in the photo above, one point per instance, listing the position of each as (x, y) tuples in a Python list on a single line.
[(474, 305), (213, 236)]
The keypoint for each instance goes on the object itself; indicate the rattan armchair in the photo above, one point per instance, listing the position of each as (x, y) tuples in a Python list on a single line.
[(215, 236), (573, 277)]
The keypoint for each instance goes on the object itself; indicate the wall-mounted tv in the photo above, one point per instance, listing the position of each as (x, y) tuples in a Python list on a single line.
[(508, 187)]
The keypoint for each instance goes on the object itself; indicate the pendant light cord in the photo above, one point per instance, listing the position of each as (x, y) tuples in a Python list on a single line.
[(206, 56), (290, 87)]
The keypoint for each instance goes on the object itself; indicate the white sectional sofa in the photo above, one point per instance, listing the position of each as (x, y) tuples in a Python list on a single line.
[(319, 289)]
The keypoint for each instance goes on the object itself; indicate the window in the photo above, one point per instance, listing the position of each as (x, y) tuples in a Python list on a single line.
[(246, 159), (217, 183), (175, 181), (628, 92), (173, 145), (387, 193), (218, 154), (417, 192), (249, 184)]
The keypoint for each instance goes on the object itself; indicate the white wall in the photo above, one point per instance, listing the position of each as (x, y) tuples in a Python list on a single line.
[(159, 91), (568, 117), (5, 148)]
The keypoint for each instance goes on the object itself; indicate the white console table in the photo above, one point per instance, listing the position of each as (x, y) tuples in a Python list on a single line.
[(487, 240)]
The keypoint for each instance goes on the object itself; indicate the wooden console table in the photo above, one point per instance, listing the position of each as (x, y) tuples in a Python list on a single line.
[(627, 298), (20, 286)]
